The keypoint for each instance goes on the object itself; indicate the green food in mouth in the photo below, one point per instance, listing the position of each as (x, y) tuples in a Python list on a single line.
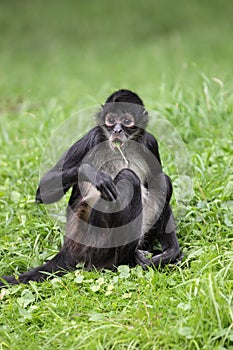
[(117, 143)]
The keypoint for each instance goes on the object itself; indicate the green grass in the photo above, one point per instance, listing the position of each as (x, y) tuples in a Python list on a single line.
[(57, 58)]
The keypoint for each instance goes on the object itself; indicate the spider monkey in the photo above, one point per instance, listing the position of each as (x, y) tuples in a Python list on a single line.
[(119, 205)]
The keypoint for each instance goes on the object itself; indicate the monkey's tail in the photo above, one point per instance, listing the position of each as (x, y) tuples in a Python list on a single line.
[(57, 266)]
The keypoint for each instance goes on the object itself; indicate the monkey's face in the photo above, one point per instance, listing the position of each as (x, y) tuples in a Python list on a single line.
[(120, 126)]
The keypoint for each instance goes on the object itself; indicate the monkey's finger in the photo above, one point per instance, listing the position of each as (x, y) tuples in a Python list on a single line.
[(109, 191), (112, 189), (107, 197), (107, 194), (142, 259)]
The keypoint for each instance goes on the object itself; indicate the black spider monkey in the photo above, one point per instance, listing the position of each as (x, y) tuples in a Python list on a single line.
[(119, 205)]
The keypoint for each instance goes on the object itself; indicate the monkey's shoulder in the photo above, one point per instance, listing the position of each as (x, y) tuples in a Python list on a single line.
[(152, 145)]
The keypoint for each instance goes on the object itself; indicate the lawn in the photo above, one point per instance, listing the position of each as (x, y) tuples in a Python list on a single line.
[(60, 58)]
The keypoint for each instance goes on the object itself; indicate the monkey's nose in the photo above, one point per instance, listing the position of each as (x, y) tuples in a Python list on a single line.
[(117, 129)]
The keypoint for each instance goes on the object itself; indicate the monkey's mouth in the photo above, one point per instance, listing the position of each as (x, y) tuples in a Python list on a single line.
[(117, 143)]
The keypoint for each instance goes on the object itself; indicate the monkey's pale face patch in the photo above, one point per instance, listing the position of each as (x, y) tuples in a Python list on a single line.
[(125, 119)]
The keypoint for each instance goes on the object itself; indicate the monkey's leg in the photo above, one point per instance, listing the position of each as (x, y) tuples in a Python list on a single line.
[(115, 227), (164, 231)]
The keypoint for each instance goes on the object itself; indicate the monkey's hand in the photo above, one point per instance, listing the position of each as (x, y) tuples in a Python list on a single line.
[(106, 186), (100, 180)]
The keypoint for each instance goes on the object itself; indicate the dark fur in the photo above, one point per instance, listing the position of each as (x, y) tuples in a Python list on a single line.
[(64, 175)]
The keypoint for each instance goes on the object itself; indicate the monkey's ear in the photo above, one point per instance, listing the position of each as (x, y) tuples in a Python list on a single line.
[(145, 118)]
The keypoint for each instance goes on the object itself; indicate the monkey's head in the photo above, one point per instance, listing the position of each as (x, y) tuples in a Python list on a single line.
[(123, 117)]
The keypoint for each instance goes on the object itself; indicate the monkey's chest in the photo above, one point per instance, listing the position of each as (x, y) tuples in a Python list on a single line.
[(139, 166)]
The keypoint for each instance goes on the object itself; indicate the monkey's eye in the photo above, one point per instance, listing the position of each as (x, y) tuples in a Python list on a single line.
[(128, 122), (109, 120)]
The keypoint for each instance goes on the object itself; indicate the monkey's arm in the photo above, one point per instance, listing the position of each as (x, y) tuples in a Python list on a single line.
[(64, 174), (69, 170), (152, 145)]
